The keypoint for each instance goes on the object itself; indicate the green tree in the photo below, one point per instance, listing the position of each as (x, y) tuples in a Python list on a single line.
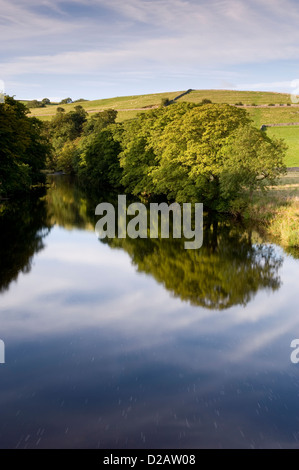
[(98, 161), (251, 160), (24, 148), (66, 101), (99, 121), (63, 129), (137, 137), (46, 101)]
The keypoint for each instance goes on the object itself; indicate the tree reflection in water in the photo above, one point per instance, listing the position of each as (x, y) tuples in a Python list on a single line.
[(229, 269), (23, 226)]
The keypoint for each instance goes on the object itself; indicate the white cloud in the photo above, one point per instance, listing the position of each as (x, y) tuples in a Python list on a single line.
[(154, 37)]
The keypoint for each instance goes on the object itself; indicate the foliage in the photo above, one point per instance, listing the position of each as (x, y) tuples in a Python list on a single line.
[(194, 153), (186, 152), (228, 270), (165, 101), (66, 101), (63, 129), (99, 121), (23, 150), (46, 101), (138, 157), (98, 159), (35, 104), (85, 147)]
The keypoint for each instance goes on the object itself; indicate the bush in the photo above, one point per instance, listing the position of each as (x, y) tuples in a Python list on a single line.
[(165, 102)]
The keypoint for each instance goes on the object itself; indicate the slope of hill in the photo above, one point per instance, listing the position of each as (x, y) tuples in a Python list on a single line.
[(280, 111)]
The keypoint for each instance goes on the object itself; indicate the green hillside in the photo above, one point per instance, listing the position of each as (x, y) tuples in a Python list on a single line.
[(138, 102), (256, 103)]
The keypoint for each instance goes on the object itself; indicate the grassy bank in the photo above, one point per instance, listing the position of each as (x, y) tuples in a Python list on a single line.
[(277, 212)]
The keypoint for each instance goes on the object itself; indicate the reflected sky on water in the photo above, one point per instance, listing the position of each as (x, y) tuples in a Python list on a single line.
[(106, 349)]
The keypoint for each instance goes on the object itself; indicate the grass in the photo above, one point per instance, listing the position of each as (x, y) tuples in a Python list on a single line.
[(196, 96), (277, 211), (232, 97), (273, 115), (124, 115), (120, 103), (291, 136)]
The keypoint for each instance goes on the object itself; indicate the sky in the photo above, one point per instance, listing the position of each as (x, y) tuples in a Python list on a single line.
[(96, 49)]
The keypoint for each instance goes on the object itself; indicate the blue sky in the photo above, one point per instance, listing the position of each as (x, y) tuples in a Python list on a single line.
[(103, 48)]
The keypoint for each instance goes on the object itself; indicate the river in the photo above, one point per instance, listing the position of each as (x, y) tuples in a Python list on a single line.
[(132, 344)]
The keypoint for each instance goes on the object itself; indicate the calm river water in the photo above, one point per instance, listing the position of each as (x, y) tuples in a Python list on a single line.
[(141, 343)]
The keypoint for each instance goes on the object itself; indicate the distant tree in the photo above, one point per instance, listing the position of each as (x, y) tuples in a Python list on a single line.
[(35, 104), (60, 110), (46, 101), (206, 101), (66, 101)]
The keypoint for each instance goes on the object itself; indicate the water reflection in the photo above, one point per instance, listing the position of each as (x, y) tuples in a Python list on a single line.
[(228, 270), (23, 227), (99, 355)]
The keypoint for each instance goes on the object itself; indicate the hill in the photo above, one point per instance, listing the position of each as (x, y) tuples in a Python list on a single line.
[(264, 107)]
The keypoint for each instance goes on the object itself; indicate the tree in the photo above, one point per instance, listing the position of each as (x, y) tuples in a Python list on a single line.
[(35, 104), (137, 137), (46, 101), (251, 160), (190, 153), (65, 128), (99, 121), (24, 148), (66, 101), (98, 161)]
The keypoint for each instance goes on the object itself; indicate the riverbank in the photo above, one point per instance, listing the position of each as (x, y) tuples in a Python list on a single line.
[(277, 212)]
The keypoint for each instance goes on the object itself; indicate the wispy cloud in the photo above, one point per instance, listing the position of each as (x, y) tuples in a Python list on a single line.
[(112, 36)]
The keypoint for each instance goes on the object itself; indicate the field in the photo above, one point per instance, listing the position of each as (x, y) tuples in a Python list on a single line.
[(291, 136), (138, 102), (255, 103)]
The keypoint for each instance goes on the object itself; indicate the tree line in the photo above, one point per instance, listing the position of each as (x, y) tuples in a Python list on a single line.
[(24, 148), (184, 152)]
